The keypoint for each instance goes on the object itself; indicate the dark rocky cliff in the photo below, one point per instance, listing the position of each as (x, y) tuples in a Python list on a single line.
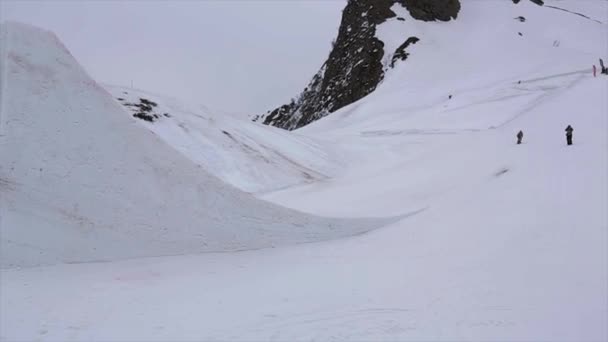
[(538, 2), (354, 67)]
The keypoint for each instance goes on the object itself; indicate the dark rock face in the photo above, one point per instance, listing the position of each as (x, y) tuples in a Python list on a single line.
[(144, 110), (538, 2), (400, 53), (354, 67), (431, 10)]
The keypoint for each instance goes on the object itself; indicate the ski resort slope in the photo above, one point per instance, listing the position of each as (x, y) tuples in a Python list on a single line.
[(251, 157), (519, 254), (498, 241), (398, 143), (81, 181)]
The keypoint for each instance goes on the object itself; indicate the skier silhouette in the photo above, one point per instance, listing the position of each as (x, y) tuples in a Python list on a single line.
[(520, 136), (569, 130)]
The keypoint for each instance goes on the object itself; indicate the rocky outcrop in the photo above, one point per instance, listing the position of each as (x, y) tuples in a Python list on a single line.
[(354, 67), (431, 10), (400, 53), (538, 2)]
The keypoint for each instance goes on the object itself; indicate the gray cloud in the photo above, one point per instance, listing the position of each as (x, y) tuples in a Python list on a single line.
[(238, 56)]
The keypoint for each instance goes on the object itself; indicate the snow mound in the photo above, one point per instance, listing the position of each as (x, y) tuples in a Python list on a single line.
[(80, 181), (253, 157)]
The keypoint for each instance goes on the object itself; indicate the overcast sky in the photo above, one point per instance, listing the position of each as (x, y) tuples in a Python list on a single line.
[(243, 56)]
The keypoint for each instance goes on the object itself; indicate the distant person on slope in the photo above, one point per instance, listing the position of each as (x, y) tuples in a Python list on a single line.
[(569, 130), (594, 70), (520, 136)]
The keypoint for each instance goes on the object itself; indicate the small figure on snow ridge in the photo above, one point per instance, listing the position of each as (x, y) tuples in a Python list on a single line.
[(569, 131), (520, 136)]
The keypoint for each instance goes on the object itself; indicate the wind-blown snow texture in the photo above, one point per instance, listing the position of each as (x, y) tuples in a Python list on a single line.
[(81, 181), (502, 241), (252, 157)]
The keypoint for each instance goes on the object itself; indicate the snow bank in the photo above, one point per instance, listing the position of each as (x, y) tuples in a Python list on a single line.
[(81, 181)]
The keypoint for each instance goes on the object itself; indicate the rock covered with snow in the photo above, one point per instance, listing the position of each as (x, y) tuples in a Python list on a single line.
[(250, 156), (354, 67)]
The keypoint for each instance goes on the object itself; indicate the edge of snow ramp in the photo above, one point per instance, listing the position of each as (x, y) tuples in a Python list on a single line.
[(82, 182)]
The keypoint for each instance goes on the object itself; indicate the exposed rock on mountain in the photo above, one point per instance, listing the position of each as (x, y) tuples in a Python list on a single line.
[(354, 67), (538, 2)]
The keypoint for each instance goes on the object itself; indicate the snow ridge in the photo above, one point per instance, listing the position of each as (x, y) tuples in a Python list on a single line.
[(81, 181)]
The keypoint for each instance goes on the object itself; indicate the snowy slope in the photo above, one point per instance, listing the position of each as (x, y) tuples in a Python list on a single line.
[(407, 128), (82, 182), (509, 257), (504, 241), (252, 157)]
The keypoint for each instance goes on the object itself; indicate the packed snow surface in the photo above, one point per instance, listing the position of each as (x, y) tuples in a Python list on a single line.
[(498, 241)]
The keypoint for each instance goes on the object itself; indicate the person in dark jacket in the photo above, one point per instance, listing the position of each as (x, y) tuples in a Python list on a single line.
[(569, 131), (520, 136), (604, 70)]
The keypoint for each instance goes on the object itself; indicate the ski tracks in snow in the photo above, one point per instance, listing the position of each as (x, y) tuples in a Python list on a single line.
[(333, 325), (374, 322), (547, 92)]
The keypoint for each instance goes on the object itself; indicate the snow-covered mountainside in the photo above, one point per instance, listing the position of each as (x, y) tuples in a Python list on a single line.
[(377, 36), (425, 135), (81, 181), (354, 67), (252, 157), (503, 242)]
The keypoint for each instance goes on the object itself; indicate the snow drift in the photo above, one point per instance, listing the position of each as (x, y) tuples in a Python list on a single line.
[(252, 157), (81, 181)]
